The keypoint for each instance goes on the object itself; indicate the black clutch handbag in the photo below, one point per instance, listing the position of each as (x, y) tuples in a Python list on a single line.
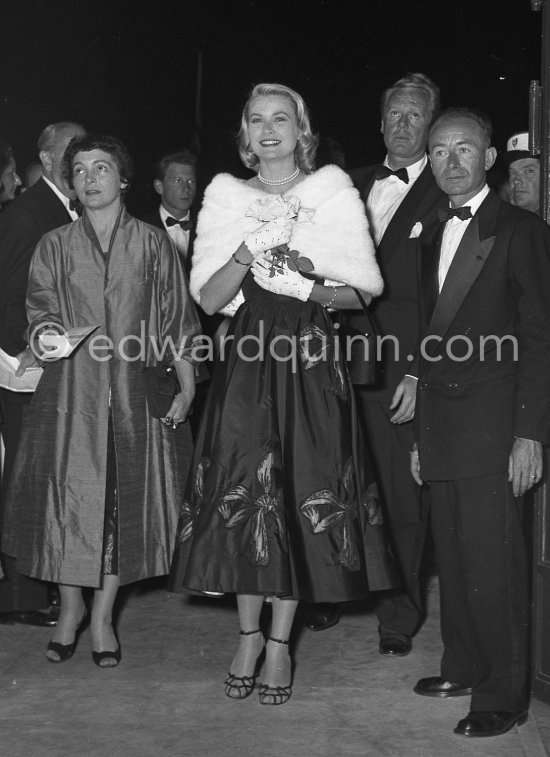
[(359, 347), (161, 386)]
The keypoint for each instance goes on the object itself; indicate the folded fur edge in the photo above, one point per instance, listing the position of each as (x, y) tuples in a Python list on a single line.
[(341, 219)]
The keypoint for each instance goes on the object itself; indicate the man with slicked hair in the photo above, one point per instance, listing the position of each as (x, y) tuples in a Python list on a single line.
[(43, 207), (400, 196), (482, 416), (176, 183)]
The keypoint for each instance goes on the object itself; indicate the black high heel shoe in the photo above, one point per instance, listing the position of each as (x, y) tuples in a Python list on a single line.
[(98, 658), (240, 687), (66, 651), (275, 694), (116, 655)]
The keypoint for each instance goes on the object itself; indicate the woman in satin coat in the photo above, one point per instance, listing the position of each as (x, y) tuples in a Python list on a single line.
[(98, 480)]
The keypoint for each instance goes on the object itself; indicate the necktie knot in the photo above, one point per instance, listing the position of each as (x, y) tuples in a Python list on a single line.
[(464, 212), (384, 171), (185, 223)]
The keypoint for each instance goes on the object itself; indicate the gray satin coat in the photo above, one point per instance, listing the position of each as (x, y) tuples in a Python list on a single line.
[(56, 501)]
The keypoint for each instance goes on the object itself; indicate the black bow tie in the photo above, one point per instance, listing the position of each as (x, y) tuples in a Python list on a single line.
[(75, 206), (185, 223), (463, 213), (385, 171)]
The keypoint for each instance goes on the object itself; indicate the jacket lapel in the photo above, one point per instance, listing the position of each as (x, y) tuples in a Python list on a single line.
[(468, 262), (413, 207), (430, 248)]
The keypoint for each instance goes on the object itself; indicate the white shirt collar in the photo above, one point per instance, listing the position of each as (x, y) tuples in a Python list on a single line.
[(413, 170), (477, 199), (64, 199), (164, 214)]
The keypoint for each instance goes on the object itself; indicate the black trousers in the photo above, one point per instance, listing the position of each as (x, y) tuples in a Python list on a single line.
[(17, 592), (482, 564), (405, 510)]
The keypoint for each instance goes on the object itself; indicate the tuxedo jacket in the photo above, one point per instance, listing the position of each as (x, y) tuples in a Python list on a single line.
[(396, 310), (155, 220), (209, 323), (484, 362), (22, 224)]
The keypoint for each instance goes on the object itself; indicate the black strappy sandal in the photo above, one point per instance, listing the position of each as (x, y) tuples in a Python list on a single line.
[(275, 694), (240, 687)]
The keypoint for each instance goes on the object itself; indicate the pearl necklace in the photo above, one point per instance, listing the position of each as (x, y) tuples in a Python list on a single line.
[(279, 182)]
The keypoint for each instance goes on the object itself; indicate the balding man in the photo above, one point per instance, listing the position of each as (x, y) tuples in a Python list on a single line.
[(45, 206)]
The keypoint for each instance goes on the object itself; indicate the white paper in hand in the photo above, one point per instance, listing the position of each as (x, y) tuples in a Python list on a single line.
[(25, 383)]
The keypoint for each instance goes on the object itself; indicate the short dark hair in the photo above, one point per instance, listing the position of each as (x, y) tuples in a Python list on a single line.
[(6, 154), (183, 156), (415, 81), (105, 142), (474, 114)]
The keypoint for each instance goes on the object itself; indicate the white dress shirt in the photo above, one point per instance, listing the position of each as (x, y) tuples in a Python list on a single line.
[(64, 200), (386, 196), (178, 236), (453, 233)]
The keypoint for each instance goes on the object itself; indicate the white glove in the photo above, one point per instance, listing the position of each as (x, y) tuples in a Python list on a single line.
[(291, 283), (268, 235)]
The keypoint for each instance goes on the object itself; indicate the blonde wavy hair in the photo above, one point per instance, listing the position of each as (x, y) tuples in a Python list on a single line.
[(306, 147)]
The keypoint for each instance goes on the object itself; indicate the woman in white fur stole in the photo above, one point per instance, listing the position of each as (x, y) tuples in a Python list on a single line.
[(279, 504)]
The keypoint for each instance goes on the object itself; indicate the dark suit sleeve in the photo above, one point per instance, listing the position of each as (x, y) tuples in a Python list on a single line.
[(529, 264), (18, 237)]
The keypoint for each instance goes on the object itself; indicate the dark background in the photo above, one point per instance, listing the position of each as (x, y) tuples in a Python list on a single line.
[(131, 68)]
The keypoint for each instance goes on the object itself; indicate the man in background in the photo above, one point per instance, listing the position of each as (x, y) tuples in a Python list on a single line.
[(176, 182), (523, 173), (400, 196)]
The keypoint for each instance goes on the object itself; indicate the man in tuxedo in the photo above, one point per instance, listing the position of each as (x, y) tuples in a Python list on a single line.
[(43, 207), (176, 183), (523, 173), (482, 415), (400, 197)]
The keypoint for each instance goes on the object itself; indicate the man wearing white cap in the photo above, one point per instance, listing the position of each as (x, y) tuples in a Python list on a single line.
[(523, 173)]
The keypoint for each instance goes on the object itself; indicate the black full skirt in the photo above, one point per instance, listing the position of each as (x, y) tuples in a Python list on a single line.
[(281, 500)]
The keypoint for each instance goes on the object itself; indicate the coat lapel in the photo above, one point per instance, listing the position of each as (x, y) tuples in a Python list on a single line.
[(405, 216), (468, 262), (430, 248)]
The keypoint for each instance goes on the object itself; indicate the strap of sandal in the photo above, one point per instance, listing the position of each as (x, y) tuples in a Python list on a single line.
[(249, 633), (278, 641)]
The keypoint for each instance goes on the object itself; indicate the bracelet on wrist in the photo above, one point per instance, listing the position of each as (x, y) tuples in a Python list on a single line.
[(240, 262), (329, 303)]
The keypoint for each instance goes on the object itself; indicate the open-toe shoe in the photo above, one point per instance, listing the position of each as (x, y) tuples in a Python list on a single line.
[(275, 694), (66, 651), (240, 687)]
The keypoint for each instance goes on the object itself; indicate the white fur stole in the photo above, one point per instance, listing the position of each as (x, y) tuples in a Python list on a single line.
[(336, 239)]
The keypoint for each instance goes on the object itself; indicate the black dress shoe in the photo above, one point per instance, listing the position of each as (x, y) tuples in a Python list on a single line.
[(395, 647), (439, 687), (28, 617), (324, 615), (483, 723)]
